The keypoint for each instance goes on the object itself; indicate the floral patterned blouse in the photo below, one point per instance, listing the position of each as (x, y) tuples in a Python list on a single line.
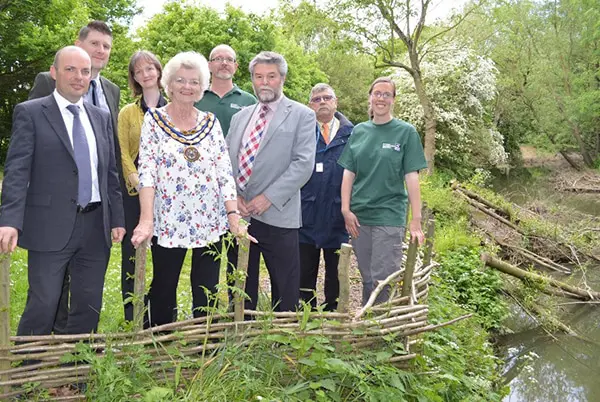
[(189, 196)]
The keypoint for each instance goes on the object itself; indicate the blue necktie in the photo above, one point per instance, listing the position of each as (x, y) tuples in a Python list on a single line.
[(82, 158), (94, 93)]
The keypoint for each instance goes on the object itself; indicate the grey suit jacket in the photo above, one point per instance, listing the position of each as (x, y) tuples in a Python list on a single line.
[(284, 161), (44, 85), (40, 185)]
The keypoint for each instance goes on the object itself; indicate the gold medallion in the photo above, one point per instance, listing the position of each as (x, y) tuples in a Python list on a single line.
[(191, 154)]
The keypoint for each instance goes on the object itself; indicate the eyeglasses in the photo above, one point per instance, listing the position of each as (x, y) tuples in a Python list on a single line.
[(220, 59), (318, 99), (182, 81), (384, 95)]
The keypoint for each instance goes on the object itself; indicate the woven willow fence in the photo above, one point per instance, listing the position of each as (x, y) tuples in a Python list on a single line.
[(40, 360)]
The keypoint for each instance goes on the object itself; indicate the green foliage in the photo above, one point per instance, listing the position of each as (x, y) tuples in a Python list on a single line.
[(461, 355), (182, 27), (475, 288), (32, 32), (547, 56), (334, 46)]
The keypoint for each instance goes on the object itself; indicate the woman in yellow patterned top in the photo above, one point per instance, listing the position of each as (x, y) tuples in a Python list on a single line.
[(144, 77)]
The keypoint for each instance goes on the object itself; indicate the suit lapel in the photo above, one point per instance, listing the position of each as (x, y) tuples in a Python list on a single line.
[(282, 113), (110, 99), (54, 116), (243, 123)]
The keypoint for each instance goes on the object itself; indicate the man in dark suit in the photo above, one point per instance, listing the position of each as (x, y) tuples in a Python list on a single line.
[(61, 198), (272, 150), (96, 39)]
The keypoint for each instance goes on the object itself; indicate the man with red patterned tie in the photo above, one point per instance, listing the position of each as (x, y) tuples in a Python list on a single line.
[(272, 150)]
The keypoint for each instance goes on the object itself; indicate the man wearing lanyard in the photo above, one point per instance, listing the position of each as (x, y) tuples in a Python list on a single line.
[(96, 39), (322, 221)]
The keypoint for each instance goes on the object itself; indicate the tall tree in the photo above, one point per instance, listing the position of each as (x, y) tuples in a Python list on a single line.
[(399, 32)]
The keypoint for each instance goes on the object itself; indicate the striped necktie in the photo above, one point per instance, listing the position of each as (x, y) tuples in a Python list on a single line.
[(248, 152)]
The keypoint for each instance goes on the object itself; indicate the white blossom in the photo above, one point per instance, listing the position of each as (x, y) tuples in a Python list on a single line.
[(462, 87)]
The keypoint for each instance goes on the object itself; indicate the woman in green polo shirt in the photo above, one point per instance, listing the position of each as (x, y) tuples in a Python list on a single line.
[(381, 156)]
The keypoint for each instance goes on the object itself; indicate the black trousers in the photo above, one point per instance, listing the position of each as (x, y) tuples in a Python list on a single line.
[(131, 204), (167, 264), (86, 255), (309, 268), (279, 248)]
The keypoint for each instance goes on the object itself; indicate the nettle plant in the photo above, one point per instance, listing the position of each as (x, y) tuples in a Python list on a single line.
[(462, 87)]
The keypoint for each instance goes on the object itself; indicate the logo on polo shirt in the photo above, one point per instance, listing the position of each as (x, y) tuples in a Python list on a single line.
[(395, 147), (235, 106)]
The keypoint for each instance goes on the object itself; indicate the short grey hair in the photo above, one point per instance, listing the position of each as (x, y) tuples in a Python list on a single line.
[(222, 47), (321, 87), (190, 61), (269, 58)]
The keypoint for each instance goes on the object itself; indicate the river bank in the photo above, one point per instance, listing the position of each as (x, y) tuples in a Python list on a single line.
[(540, 363)]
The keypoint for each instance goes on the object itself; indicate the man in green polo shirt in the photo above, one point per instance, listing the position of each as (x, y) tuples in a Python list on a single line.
[(223, 97)]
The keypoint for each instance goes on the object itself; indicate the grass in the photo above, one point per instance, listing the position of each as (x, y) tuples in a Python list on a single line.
[(456, 363)]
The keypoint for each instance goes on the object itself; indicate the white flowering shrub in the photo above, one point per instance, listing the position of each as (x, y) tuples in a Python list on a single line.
[(462, 87)]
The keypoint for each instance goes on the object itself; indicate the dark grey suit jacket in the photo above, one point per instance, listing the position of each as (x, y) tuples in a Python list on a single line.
[(44, 85), (284, 162), (40, 185)]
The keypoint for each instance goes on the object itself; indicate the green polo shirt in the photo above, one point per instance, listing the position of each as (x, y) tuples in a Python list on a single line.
[(224, 108), (380, 155)]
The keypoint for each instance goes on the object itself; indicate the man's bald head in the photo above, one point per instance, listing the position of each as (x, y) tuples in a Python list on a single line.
[(69, 49)]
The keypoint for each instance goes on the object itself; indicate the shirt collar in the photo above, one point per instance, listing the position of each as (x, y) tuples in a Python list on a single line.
[(273, 106), (329, 123), (63, 102)]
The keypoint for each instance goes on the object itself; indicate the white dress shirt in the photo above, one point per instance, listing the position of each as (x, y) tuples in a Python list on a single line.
[(67, 117)]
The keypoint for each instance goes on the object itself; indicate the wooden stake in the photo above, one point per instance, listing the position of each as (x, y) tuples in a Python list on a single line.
[(139, 286), (5, 317), (344, 278), (429, 242), (240, 280), (411, 260)]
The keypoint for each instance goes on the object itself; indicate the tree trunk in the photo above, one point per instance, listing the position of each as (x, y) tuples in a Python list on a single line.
[(582, 148), (428, 114), (570, 160)]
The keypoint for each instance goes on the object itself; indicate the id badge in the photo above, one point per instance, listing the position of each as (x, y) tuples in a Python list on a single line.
[(319, 168)]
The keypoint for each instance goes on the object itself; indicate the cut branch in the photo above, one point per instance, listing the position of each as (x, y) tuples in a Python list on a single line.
[(530, 276)]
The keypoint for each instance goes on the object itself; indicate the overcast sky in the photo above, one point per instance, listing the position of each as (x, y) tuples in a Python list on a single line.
[(438, 9)]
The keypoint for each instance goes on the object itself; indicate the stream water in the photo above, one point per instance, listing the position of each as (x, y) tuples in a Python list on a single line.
[(542, 367)]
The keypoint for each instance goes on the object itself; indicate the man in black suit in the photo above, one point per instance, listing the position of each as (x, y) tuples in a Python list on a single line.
[(61, 198), (96, 39)]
